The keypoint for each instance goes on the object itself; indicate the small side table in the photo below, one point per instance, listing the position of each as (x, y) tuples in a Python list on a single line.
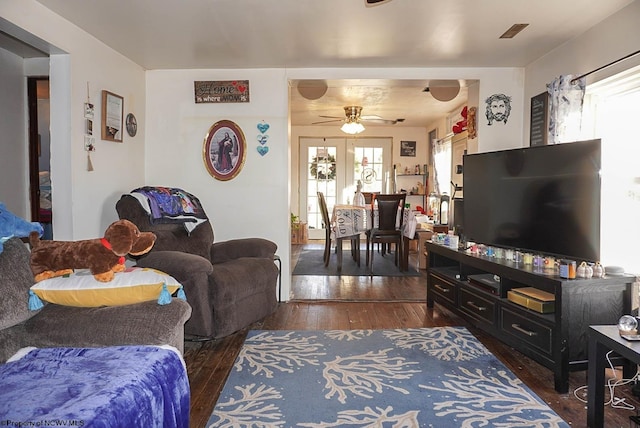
[(602, 339)]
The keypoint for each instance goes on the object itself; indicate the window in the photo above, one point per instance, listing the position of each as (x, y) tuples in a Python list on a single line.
[(442, 165), (611, 109)]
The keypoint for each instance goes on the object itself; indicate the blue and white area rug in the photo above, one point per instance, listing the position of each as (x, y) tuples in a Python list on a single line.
[(427, 377)]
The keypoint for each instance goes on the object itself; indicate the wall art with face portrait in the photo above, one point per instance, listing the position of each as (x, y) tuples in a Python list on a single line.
[(498, 109), (224, 150)]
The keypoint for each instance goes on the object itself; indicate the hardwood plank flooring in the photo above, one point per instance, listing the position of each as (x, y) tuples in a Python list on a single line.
[(209, 363), (355, 288)]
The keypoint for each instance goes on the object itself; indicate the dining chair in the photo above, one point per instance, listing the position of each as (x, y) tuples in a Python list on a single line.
[(330, 236), (390, 209), (369, 197)]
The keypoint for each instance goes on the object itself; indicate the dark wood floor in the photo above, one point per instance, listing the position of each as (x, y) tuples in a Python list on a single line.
[(363, 303)]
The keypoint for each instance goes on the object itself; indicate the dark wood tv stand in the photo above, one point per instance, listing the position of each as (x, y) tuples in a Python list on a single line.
[(556, 340)]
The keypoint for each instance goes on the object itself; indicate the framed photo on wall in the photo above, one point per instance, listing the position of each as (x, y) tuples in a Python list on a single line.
[(112, 110), (224, 150), (407, 148)]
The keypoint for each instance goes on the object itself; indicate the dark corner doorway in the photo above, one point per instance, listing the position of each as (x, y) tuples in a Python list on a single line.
[(40, 153)]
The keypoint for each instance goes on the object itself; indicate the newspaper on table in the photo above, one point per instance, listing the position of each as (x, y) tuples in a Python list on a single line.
[(350, 220), (409, 224)]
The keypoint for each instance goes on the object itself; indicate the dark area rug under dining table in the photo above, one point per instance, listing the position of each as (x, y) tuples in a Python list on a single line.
[(311, 262)]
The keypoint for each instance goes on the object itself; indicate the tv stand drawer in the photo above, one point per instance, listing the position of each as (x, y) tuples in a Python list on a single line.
[(526, 329), (443, 289), (478, 307)]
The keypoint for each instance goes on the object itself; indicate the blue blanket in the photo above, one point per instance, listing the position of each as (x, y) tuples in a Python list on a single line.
[(171, 205), (123, 386)]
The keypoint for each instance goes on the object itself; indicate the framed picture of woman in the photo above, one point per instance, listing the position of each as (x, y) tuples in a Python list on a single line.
[(224, 150)]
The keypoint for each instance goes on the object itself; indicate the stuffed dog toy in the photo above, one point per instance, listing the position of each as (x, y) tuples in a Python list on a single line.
[(103, 256)]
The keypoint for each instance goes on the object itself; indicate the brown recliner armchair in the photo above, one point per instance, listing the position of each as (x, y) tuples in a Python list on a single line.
[(229, 284)]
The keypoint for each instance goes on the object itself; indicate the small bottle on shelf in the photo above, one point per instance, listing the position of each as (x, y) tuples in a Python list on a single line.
[(444, 209)]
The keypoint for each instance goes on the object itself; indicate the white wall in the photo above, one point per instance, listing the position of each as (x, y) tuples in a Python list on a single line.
[(613, 38), (500, 135), (13, 152), (256, 202), (83, 202)]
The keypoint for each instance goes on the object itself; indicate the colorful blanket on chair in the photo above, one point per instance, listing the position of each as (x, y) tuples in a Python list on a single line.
[(119, 386), (170, 205)]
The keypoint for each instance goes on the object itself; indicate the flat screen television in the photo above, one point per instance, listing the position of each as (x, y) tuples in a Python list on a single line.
[(541, 199)]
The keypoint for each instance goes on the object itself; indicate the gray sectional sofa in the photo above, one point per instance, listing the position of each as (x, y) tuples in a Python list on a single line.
[(145, 323)]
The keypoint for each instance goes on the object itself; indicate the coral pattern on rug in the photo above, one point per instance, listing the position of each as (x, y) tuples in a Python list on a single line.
[(425, 377)]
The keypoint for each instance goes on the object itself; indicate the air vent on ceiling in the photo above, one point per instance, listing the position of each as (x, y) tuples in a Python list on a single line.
[(513, 31)]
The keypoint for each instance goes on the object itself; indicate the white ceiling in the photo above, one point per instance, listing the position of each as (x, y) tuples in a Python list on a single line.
[(210, 34)]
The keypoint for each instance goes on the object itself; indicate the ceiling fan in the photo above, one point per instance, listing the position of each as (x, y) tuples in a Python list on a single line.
[(353, 114)]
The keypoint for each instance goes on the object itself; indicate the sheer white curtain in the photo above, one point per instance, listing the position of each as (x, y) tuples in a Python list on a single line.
[(442, 165), (565, 115)]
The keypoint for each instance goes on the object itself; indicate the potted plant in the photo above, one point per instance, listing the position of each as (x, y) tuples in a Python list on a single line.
[(299, 230)]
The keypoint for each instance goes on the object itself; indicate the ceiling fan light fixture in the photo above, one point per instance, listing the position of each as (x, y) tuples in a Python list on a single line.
[(352, 127)]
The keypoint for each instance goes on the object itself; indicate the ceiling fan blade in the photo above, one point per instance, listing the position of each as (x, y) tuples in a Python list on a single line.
[(378, 119), (381, 121), (326, 121), (331, 117), (375, 2)]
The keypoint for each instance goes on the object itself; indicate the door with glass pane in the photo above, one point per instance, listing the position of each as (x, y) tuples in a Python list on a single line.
[(319, 160), (333, 166), (371, 161)]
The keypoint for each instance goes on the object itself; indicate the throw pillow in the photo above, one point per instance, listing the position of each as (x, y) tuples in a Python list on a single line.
[(131, 286)]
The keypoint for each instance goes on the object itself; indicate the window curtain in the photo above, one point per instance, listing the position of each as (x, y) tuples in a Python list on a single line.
[(441, 165), (565, 115)]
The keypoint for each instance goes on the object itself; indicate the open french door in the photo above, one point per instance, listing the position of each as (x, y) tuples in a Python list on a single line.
[(333, 166)]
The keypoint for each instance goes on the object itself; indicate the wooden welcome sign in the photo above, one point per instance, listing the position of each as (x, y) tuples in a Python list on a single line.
[(221, 91)]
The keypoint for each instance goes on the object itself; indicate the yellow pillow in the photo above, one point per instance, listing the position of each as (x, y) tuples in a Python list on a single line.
[(131, 286)]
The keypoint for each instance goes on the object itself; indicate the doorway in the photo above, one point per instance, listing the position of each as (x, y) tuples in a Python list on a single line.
[(333, 166), (40, 153)]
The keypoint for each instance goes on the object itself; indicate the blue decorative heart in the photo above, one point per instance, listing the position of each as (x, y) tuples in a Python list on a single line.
[(262, 139), (263, 150), (263, 127)]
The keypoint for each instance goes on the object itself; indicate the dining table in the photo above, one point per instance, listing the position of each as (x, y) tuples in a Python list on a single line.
[(349, 220)]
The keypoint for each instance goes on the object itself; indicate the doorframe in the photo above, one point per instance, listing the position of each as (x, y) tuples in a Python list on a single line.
[(344, 156), (34, 145)]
